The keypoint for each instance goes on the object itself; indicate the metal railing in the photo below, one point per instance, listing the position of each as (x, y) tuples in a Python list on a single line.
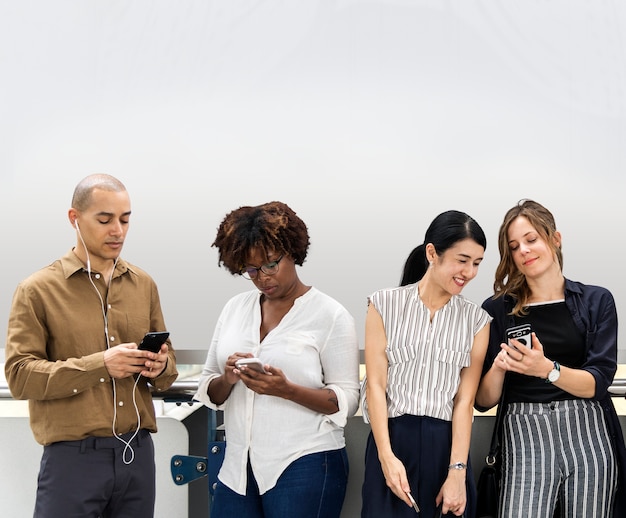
[(184, 389)]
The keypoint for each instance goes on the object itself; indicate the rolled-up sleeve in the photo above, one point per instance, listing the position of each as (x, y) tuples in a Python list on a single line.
[(340, 364), (601, 338)]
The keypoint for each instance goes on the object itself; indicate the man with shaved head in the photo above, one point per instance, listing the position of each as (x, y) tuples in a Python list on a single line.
[(72, 351)]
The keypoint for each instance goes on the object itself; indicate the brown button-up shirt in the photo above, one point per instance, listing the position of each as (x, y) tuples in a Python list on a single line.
[(55, 349)]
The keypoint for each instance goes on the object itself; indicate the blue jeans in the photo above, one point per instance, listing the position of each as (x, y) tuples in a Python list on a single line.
[(314, 486)]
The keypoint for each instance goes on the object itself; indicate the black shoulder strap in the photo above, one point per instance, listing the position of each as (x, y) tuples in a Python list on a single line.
[(494, 448)]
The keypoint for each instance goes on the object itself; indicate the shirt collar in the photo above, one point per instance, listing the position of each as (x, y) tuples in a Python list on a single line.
[(72, 264)]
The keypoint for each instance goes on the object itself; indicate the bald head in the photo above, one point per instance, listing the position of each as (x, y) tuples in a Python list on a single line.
[(82, 198)]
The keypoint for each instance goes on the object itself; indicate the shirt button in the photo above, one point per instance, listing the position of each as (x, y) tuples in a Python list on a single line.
[(121, 403), (101, 380), (109, 306), (75, 391), (112, 339), (97, 276)]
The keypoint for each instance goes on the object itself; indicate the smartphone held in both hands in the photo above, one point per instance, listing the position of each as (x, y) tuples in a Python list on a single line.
[(251, 363)]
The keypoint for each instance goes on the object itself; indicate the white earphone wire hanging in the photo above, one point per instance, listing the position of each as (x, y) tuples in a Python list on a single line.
[(127, 445)]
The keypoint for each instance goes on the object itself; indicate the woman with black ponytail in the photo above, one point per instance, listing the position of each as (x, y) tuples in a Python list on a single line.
[(424, 349)]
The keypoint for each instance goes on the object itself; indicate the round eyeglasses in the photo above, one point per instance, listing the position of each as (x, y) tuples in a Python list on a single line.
[(251, 273)]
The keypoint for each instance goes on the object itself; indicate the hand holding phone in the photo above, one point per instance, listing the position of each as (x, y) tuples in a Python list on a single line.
[(251, 363), (522, 333), (413, 503), (153, 341)]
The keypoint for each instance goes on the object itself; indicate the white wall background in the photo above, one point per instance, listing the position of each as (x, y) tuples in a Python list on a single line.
[(367, 117)]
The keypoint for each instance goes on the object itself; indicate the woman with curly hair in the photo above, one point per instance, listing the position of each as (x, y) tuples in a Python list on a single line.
[(284, 423)]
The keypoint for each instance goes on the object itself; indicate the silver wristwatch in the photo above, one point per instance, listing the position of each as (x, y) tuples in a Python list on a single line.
[(554, 374)]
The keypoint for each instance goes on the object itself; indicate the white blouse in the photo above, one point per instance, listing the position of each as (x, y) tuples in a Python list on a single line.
[(425, 357), (315, 345)]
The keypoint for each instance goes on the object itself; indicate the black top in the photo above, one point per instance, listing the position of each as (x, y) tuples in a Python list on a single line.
[(554, 327)]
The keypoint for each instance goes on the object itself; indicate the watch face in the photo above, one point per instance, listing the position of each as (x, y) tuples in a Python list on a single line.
[(554, 375)]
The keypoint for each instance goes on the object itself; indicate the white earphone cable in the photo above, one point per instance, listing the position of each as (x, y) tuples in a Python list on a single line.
[(127, 445)]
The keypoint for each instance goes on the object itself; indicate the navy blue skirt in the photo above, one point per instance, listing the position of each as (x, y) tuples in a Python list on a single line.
[(423, 445)]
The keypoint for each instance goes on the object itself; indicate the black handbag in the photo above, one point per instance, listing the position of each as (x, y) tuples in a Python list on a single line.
[(488, 486)]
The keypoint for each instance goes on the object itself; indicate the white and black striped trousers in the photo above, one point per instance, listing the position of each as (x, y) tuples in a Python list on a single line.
[(558, 450)]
